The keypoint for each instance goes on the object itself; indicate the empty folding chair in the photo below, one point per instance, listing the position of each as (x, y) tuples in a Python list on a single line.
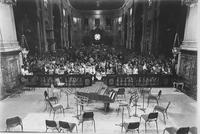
[(13, 122), (55, 108), (154, 97), (150, 118), (67, 126), (87, 116), (51, 124), (163, 110), (173, 130), (131, 126)]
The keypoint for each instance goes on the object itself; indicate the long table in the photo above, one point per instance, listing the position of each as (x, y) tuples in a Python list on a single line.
[(139, 80), (43, 80)]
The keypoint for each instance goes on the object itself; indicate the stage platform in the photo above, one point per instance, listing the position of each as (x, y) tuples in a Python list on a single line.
[(30, 106)]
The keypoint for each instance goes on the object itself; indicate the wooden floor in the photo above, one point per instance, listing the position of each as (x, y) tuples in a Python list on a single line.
[(30, 106)]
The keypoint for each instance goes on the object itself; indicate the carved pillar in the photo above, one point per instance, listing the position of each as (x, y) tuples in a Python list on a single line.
[(187, 58), (9, 50)]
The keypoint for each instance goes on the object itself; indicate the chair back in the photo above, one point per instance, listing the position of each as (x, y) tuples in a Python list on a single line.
[(121, 91), (183, 130), (64, 125), (88, 115), (13, 122), (50, 123), (153, 116), (46, 95), (159, 94), (167, 105), (133, 125)]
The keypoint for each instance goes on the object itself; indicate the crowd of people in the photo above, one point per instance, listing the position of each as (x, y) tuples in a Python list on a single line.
[(95, 60)]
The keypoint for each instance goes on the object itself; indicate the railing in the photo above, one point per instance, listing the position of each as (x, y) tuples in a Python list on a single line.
[(150, 80), (67, 80)]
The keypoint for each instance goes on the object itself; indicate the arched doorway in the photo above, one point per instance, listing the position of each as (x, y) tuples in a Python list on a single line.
[(57, 26)]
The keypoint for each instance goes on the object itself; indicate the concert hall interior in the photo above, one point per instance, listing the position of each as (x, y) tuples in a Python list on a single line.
[(99, 66)]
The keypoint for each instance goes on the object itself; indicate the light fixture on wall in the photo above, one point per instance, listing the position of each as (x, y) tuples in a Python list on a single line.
[(150, 2), (63, 12), (75, 20), (120, 20), (131, 11), (46, 3)]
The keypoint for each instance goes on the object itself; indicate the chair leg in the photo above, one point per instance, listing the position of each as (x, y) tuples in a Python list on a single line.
[(53, 115), (76, 129), (157, 126), (148, 102), (164, 117), (21, 127), (128, 108), (145, 126), (157, 101), (50, 112), (82, 127), (94, 126), (164, 131)]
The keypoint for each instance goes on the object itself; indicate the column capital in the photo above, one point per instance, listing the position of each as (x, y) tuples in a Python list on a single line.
[(9, 2), (189, 2)]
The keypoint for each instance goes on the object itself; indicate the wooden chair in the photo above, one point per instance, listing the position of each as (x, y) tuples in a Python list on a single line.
[(150, 118), (87, 116), (131, 126), (67, 126), (163, 110), (153, 97), (55, 108), (51, 124), (173, 130), (13, 122)]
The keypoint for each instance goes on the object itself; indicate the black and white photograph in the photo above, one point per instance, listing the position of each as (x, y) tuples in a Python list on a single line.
[(99, 66)]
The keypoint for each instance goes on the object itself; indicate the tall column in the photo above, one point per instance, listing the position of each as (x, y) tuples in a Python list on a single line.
[(9, 50), (190, 35), (187, 58)]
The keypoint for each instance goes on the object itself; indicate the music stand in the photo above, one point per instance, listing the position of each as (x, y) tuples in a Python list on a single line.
[(122, 124), (67, 92), (80, 101), (135, 98), (143, 92)]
